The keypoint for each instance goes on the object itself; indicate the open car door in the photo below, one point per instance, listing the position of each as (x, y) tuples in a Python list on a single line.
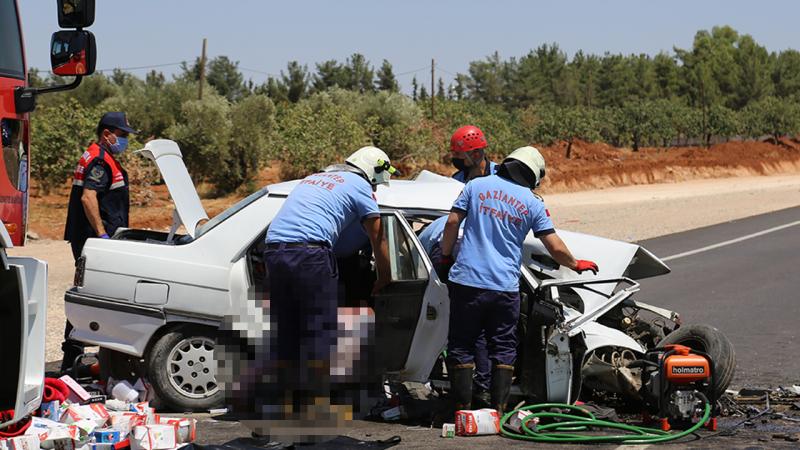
[(412, 313), (23, 308)]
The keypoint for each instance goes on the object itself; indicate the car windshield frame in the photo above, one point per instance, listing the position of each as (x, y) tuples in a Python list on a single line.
[(12, 61), (230, 212)]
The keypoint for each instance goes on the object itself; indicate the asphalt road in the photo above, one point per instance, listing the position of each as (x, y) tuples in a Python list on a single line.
[(749, 289)]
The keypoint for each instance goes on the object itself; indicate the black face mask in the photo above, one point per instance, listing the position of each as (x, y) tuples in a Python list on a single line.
[(459, 164)]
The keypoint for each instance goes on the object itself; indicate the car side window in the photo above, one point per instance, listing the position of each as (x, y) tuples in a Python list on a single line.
[(404, 257)]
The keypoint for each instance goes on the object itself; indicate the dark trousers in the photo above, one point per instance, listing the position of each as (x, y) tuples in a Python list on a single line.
[(474, 310), (71, 348), (303, 301), (483, 368)]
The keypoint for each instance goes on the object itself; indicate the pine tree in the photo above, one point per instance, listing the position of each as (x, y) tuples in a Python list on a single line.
[(440, 90), (386, 80), (414, 88), (423, 93)]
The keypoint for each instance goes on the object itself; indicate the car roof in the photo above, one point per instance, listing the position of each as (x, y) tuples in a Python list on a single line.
[(427, 191)]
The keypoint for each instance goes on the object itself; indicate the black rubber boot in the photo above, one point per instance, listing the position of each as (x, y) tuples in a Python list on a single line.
[(501, 386), (480, 398), (461, 385)]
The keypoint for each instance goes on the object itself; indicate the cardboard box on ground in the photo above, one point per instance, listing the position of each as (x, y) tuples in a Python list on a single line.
[(87, 420)]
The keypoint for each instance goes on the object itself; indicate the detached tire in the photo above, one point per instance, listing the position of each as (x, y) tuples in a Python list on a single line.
[(182, 370), (710, 340)]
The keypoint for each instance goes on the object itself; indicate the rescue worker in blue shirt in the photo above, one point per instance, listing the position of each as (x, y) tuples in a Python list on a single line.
[(468, 154), (499, 211), (303, 276)]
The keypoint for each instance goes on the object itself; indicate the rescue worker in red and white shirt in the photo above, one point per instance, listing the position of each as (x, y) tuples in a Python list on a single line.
[(99, 202)]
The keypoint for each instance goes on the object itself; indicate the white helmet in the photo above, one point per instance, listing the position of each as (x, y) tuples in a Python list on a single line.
[(374, 163), (530, 157)]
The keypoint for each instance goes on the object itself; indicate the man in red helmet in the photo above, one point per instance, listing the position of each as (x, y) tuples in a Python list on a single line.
[(467, 152), (468, 155)]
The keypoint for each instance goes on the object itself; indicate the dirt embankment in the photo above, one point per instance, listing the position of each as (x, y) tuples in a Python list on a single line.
[(591, 166)]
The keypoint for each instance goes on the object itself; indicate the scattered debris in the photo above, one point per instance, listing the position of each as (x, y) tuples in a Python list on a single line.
[(73, 416)]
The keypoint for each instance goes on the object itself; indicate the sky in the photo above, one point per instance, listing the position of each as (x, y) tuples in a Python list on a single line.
[(264, 35)]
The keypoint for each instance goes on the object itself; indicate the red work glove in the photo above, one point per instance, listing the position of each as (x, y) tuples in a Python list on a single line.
[(586, 265)]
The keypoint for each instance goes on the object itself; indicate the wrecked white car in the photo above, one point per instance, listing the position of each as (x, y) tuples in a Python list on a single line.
[(154, 301)]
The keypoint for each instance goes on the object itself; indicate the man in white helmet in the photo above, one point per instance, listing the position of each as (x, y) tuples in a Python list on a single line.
[(302, 268), (499, 211)]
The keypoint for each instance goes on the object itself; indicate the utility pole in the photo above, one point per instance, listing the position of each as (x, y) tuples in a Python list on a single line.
[(202, 71), (433, 91)]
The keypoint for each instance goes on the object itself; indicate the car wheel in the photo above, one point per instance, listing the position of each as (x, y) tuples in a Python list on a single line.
[(710, 340), (183, 372)]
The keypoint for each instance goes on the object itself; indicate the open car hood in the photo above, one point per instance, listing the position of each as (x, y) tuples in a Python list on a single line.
[(428, 191), (167, 156)]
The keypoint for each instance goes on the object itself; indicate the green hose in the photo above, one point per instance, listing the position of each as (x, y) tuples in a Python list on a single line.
[(564, 432)]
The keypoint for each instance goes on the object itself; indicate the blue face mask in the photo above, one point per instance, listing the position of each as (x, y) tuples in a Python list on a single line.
[(120, 146)]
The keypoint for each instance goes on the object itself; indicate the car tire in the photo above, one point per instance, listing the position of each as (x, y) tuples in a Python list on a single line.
[(182, 370), (710, 340)]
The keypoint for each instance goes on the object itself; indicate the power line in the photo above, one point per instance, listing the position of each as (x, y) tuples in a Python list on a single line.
[(257, 71), (140, 67), (411, 71), (446, 71)]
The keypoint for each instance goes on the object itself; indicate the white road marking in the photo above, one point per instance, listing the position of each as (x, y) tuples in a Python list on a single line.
[(731, 241)]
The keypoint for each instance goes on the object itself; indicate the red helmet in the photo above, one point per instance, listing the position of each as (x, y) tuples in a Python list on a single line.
[(468, 138)]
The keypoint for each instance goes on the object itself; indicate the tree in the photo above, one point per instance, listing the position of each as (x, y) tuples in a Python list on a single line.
[(252, 135), (329, 74), (223, 74), (386, 80), (203, 135), (423, 93), (461, 86), (754, 81), (666, 76), (63, 131), (358, 74), (295, 82), (771, 116), (414, 88), (440, 93), (486, 81), (121, 78), (786, 75), (34, 79), (585, 69), (155, 79)]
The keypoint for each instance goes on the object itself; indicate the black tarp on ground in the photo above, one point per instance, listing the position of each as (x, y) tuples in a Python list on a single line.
[(339, 443)]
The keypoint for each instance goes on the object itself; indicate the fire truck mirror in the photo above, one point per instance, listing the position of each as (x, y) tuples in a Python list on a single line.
[(73, 53), (75, 13)]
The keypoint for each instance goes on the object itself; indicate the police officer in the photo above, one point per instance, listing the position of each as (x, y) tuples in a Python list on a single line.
[(468, 154), (302, 270), (99, 201), (499, 211)]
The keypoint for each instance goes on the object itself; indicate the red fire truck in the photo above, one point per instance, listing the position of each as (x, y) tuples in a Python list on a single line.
[(23, 281)]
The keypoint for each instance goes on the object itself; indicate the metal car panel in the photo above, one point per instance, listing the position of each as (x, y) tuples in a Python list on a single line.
[(430, 337), (167, 156), (127, 331), (32, 283)]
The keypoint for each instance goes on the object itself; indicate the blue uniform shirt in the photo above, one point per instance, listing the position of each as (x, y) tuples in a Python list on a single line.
[(461, 175), (500, 214), (321, 206), (432, 234)]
